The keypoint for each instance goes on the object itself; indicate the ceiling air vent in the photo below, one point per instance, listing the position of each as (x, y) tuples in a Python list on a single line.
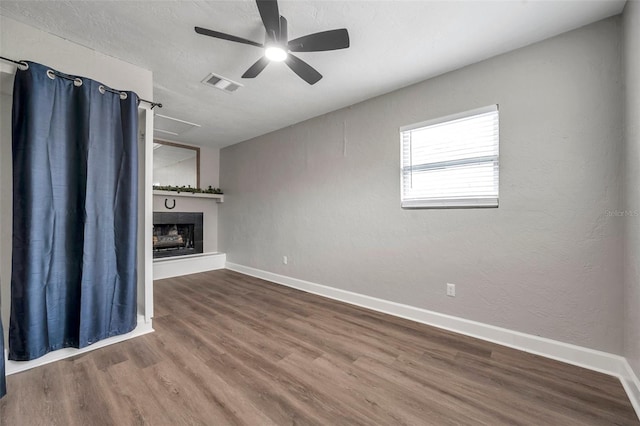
[(221, 83)]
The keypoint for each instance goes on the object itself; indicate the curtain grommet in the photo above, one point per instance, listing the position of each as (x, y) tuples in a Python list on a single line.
[(51, 74), (101, 89), (77, 82), (123, 95), (24, 65)]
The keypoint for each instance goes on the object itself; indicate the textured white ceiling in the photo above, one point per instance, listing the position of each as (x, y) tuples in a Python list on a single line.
[(393, 44)]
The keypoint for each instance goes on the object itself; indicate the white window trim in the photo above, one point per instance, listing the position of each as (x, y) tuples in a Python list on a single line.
[(449, 202), (456, 116)]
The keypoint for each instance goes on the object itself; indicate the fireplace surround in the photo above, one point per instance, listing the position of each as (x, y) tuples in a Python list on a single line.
[(177, 234)]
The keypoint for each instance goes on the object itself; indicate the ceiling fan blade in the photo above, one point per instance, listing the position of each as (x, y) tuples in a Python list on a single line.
[(224, 36), (304, 70), (270, 17), (318, 42), (256, 68), (283, 30)]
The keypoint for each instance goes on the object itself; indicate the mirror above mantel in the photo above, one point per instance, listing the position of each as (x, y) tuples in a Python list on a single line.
[(175, 164)]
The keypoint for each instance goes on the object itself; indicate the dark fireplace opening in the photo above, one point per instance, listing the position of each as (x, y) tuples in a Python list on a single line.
[(176, 234)]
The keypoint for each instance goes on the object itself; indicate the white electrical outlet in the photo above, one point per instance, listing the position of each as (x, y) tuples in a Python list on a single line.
[(451, 290), (285, 260)]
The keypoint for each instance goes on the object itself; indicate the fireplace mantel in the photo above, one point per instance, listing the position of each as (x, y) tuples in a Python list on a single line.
[(219, 198)]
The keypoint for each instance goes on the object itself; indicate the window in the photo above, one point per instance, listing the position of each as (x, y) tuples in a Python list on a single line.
[(451, 161)]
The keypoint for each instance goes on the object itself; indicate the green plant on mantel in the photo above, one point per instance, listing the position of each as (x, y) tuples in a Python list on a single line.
[(179, 189)]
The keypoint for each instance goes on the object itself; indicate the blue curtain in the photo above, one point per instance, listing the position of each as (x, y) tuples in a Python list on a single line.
[(75, 203), (3, 383)]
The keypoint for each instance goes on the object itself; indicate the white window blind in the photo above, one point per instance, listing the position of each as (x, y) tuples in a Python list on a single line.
[(451, 161)]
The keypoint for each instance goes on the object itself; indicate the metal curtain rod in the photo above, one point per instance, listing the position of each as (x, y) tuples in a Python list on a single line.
[(24, 64)]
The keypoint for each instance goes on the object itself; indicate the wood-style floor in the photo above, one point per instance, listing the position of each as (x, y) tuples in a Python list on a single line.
[(234, 350)]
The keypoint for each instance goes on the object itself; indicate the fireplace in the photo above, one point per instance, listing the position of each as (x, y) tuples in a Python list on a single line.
[(176, 234)]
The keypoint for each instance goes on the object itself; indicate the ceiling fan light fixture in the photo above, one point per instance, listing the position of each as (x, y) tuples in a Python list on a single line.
[(275, 53), (277, 44)]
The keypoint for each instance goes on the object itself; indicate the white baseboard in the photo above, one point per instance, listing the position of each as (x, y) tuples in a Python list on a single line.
[(185, 265), (631, 385), (13, 367), (603, 362)]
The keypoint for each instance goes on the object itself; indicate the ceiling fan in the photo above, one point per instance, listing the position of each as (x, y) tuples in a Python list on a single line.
[(278, 48)]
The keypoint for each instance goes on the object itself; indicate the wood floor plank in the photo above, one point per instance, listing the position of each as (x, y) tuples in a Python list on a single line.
[(209, 383), (86, 396), (50, 408), (230, 349)]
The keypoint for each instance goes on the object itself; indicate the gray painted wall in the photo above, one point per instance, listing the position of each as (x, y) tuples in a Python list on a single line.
[(631, 21), (548, 262)]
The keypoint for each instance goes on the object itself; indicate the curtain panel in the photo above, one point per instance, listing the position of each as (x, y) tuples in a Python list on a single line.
[(75, 180), (3, 383)]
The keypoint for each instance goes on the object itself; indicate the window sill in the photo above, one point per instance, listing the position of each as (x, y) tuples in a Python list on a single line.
[(451, 204)]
